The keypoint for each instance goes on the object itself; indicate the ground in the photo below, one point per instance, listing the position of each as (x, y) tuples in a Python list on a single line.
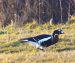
[(13, 51)]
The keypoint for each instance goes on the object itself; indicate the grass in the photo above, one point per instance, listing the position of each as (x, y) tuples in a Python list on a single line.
[(12, 51)]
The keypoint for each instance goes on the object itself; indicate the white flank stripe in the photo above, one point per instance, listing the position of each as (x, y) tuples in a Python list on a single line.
[(24, 40), (44, 39), (34, 44), (37, 45)]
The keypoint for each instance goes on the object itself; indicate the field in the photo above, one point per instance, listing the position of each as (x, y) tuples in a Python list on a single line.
[(12, 51)]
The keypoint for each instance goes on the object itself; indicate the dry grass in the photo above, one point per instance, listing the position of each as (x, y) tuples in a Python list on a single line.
[(38, 57), (12, 51)]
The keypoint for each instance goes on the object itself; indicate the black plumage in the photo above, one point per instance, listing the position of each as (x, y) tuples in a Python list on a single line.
[(43, 40)]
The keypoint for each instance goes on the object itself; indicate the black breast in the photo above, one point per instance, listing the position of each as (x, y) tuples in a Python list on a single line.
[(47, 43), (55, 39)]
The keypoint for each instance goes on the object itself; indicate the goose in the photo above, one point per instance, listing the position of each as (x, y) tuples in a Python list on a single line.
[(44, 40)]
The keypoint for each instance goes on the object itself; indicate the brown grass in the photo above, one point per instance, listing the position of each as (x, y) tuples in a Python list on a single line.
[(12, 51)]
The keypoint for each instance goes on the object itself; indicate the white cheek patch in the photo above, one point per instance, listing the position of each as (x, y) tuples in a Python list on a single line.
[(59, 30), (62, 31)]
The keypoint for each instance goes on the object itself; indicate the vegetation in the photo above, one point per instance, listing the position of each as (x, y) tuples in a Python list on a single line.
[(42, 11), (12, 51), (27, 18)]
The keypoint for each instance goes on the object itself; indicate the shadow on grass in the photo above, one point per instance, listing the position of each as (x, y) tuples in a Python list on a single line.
[(16, 47), (11, 47), (68, 42), (66, 49), (65, 40), (1, 32)]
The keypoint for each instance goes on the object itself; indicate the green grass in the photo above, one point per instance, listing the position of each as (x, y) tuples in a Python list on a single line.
[(12, 51)]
